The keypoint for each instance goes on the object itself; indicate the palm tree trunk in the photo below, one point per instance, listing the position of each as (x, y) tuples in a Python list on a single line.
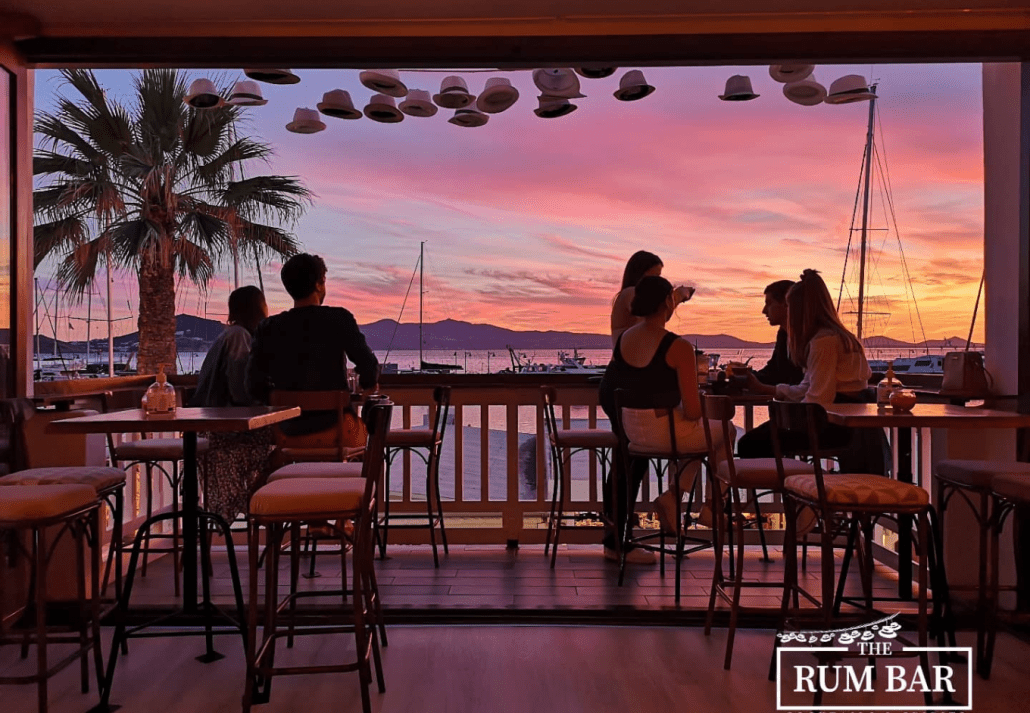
[(156, 314)]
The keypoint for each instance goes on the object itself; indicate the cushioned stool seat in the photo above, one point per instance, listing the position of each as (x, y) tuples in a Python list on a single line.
[(860, 490), (979, 473), (302, 497), (156, 449), (761, 473), (317, 470), (585, 438), (99, 478), (1013, 487), (42, 502), (409, 438)]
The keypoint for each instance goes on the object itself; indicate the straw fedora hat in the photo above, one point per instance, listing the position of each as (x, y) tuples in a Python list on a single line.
[(468, 118), (632, 86), (246, 93), (272, 76), (203, 95), (806, 92), (384, 81), (418, 103), (790, 72), (738, 89), (454, 94), (382, 108), (497, 96), (553, 107), (305, 121), (847, 89), (595, 71), (338, 105), (555, 82)]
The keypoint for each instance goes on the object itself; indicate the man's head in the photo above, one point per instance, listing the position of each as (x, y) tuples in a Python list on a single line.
[(775, 309), (303, 275)]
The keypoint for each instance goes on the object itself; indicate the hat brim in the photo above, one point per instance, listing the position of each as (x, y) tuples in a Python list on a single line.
[(632, 94), (305, 127), (394, 89), (271, 77), (390, 115), (791, 76), (739, 97), (421, 109), (494, 101), (817, 95), (555, 113), (468, 121), (456, 99), (246, 100), (859, 95), (595, 73), (563, 94), (338, 112)]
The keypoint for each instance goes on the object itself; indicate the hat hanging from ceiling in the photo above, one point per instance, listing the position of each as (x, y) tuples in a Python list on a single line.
[(468, 118), (272, 76), (595, 71), (790, 72), (246, 93), (203, 95), (418, 103), (847, 89), (305, 121), (383, 109), (555, 82), (338, 105), (497, 96), (738, 89), (632, 86), (384, 81), (454, 93), (806, 92), (553, 107)]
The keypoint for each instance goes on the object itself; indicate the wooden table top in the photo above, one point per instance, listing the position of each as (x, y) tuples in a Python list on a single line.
[(925, 415), (223, 419)]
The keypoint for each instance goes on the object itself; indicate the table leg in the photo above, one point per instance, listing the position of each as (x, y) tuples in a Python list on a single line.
[(749, 416), (189, 522), (905, 475)]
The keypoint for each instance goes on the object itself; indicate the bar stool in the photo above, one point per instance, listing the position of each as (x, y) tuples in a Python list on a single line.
[(1008, 491), (564, 443), (286, 503), (30, 511), (409, 440)]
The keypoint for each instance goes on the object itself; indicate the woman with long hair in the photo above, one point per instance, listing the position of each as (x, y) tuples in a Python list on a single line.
[(640, 264)]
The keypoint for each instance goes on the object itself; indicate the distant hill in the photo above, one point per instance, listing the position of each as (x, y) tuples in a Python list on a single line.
[(888, 343)]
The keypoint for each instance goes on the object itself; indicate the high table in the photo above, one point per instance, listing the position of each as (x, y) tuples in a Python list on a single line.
[(923, 415)]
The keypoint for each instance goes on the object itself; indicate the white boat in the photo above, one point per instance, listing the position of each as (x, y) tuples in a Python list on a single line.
[(566, 364), (923, 364)]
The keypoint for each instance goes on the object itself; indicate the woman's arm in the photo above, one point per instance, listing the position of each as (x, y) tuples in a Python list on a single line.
[(820, 383), (237, 352), (681, 358), (622, 319)]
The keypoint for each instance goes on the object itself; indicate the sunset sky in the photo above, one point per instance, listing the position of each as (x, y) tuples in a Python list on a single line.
[(529, 222)]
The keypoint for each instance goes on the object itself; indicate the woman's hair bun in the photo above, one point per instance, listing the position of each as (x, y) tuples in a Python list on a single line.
[(650, 293)]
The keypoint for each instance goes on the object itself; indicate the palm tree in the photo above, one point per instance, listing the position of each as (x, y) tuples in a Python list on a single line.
[(156, 187)]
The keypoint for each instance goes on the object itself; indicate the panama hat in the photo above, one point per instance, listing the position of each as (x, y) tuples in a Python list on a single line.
[(632, 86), (384, 81), (246, 93), (790, 72), (272, 76), (806, 92), (382, 108), (203, 95), (554, 82), (738, 89), (468, 118), (305, 121), (418, 103), (553, 107), (338, 105), (847, 89), (454, 94), (595, 71), (497, 96)]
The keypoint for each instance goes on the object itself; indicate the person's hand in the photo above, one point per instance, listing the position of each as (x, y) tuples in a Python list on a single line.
[(683, 293), (753, 384)]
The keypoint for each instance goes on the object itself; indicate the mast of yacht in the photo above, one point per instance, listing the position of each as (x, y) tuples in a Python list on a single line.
[(865, 210), (421, 293)]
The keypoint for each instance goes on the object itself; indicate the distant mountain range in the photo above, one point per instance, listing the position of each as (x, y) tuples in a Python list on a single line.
[(197, 333)]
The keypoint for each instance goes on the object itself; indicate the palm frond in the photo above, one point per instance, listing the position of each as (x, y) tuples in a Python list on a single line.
[(215, 172), (206, 228), (280, 197), (56, 237), (266, 240), (47, 162), (193, 261), (78, 270), (131, 238), (56, 132), (106, 123), (160, 112)]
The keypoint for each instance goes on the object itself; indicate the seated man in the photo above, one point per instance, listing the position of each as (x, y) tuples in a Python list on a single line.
[(307, 348)]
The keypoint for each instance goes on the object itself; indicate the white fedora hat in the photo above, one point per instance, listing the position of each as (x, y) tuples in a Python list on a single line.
[(468, 118), (553, 107), (338, 105), (632, 86), (305, 121), (454, 93), (384, 81), (806, 92), (595, 71), (272, 76), (738, 89), (555, 82), (418, 103), (382, 108), (203, 95), (246, 93), (497, 96), (847, 89), (790, 72)]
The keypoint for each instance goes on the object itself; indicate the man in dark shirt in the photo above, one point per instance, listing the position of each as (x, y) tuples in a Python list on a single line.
[(780, 369), (307, 348)]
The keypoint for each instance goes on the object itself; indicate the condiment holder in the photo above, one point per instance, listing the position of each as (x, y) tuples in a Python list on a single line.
[(903, 400)]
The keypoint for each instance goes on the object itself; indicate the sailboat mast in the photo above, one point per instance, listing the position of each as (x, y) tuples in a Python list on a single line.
[(421, 293), (865, 210), (110, 332)]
